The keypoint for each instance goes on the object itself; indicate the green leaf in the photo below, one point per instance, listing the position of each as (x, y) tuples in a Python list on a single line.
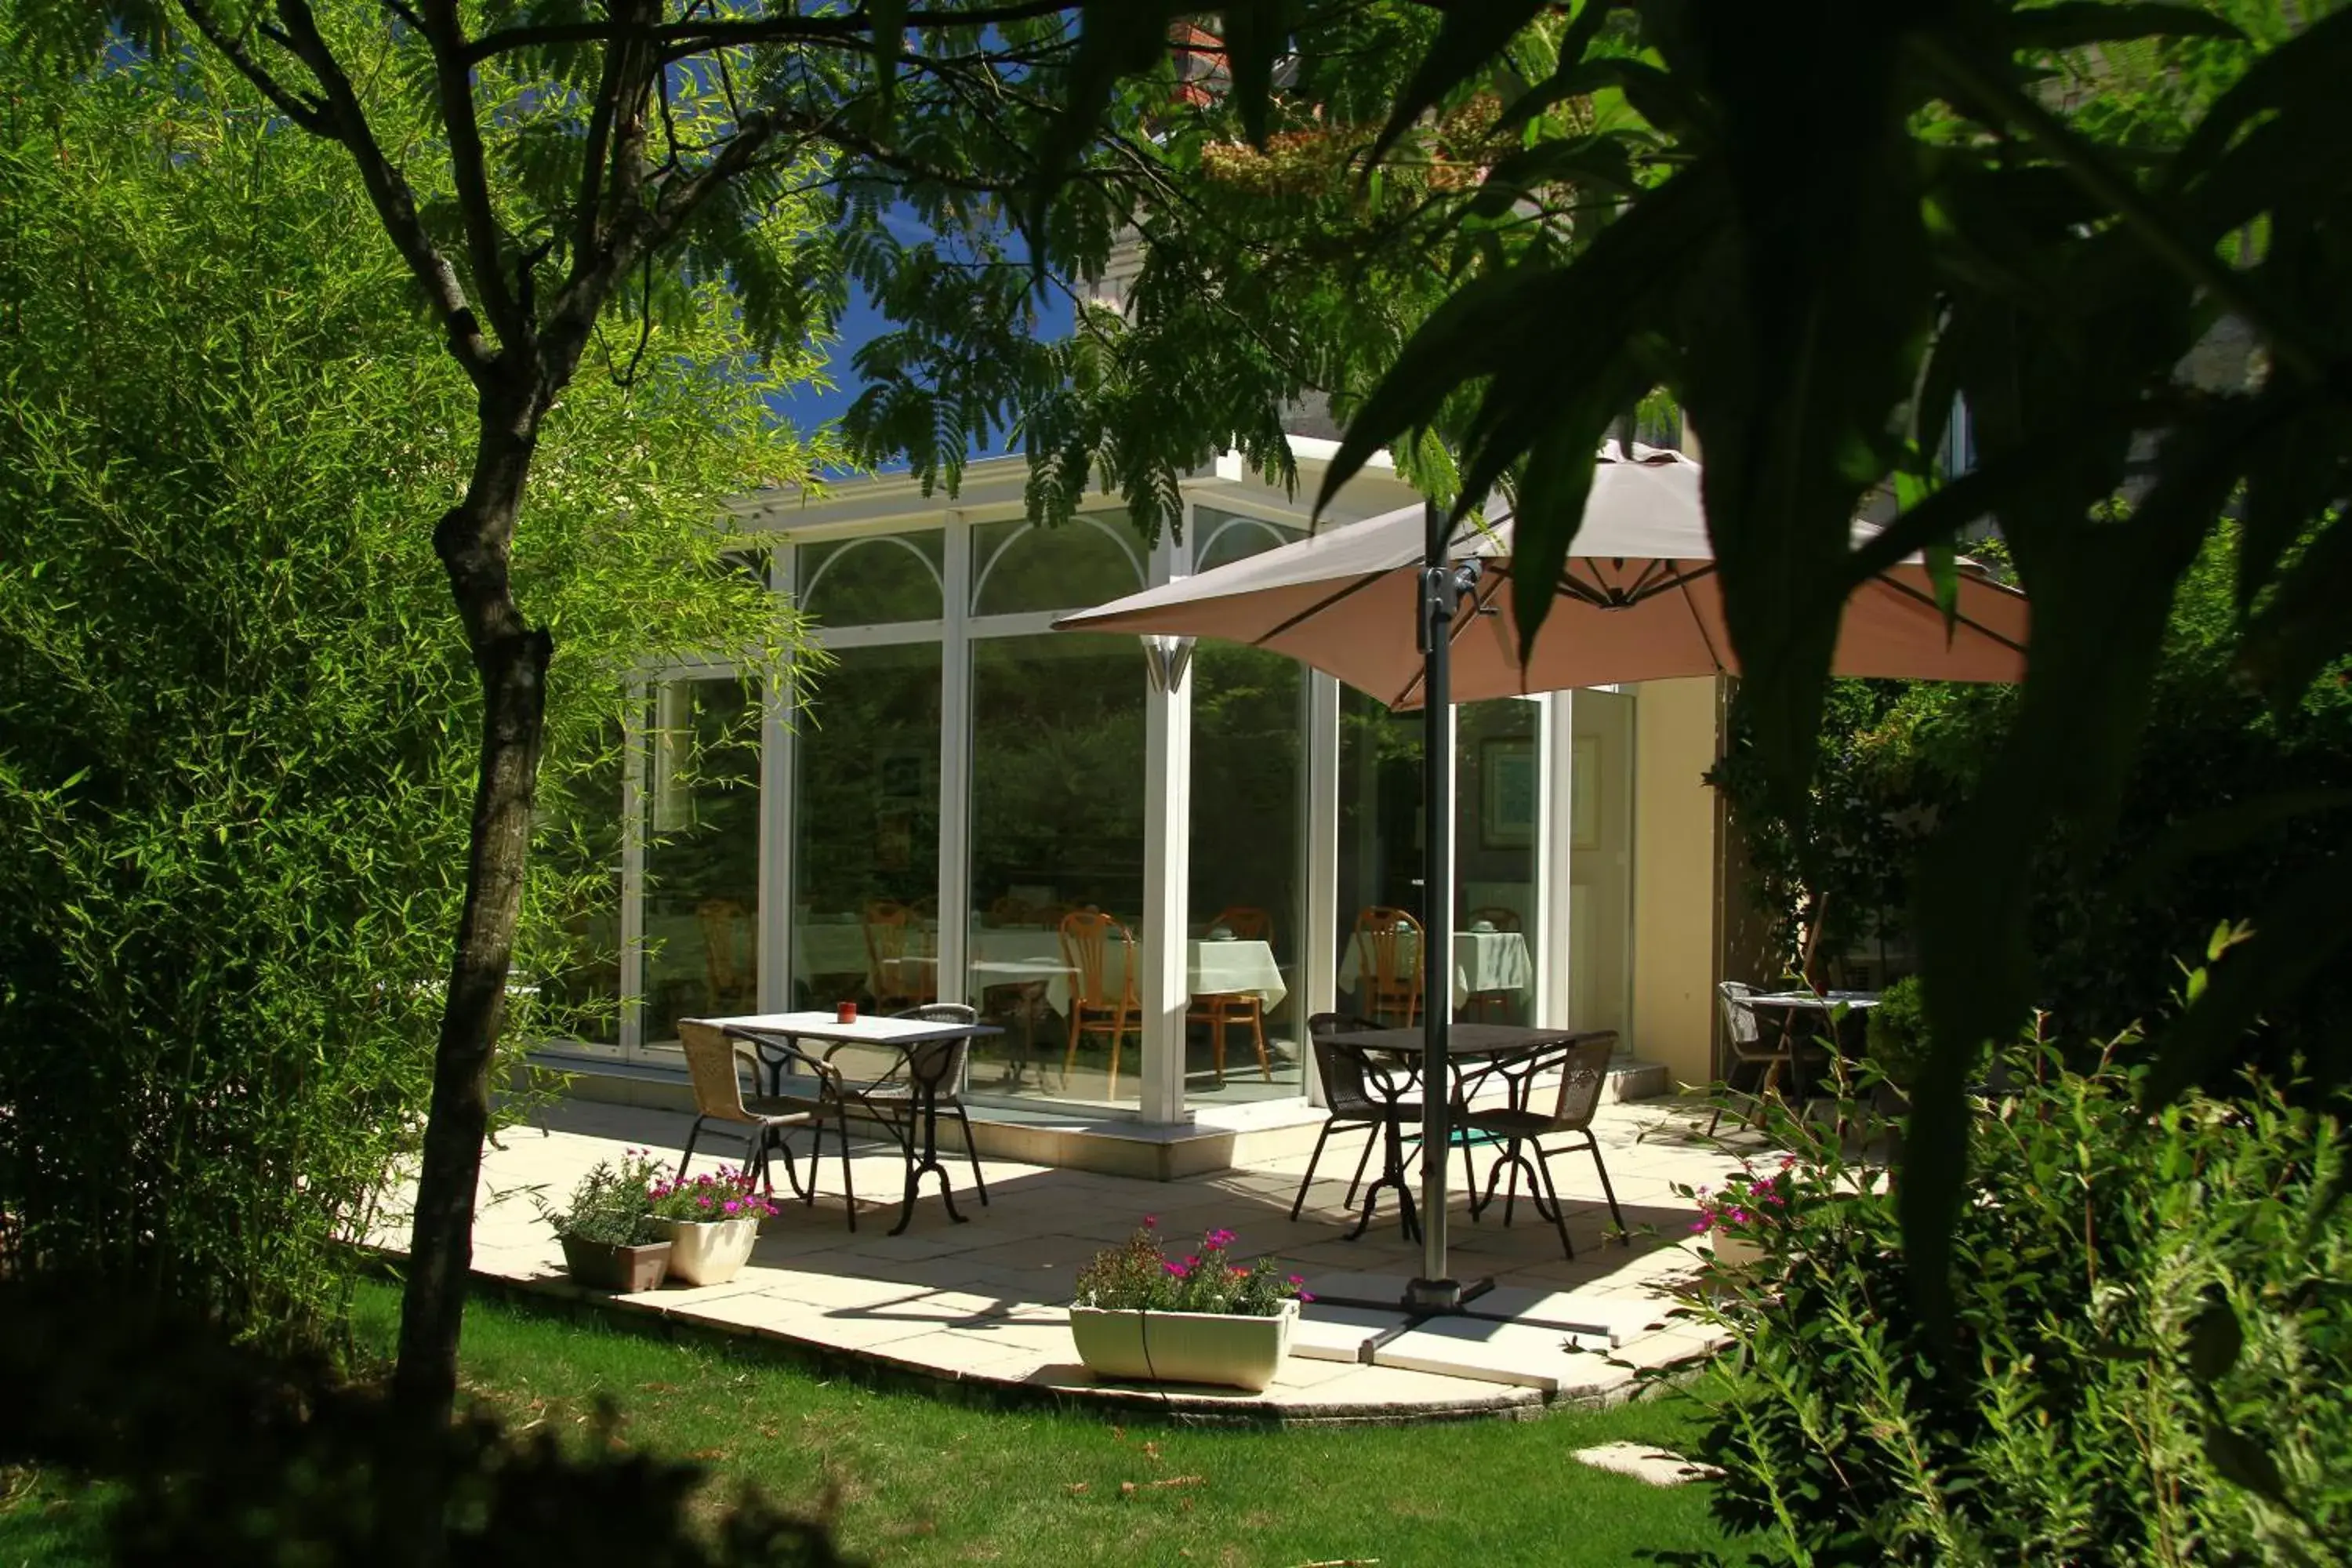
[(2076, 23), (1464, 48), (2215, 1339), (2244, 1462)]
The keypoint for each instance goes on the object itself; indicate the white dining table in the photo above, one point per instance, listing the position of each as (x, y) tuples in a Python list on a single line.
[(1484, 961)]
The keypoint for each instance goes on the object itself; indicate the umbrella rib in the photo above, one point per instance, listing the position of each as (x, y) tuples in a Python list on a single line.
[(1476, 603), (1313, 610), (1682, 581), (1979, 627)]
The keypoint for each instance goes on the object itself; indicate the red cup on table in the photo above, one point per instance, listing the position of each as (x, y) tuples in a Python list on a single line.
[(845, 1013)]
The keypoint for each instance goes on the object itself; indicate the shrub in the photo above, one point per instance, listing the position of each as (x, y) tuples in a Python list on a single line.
[(613, 1206), (1897, 1030), (2153, 1337), (1140, 1276)]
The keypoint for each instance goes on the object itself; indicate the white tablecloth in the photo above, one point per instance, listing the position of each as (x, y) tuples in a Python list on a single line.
[(1482, 961), (1235, 968)]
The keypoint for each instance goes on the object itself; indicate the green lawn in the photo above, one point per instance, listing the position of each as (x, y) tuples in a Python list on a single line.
[(915, 1480)]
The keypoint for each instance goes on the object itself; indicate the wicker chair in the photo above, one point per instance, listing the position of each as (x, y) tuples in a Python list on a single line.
[(1350, 1104), (1749, 1047), (713, 1065), (1388, 977), (1086, 935), (938, 1066), (1582, 1064), (1222, 1010)]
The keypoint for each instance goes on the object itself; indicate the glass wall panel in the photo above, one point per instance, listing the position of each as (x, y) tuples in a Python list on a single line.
[(874, 579), (1247, 901), (1495, 804), (1380, 860), (865, 845), (1600, 835), (1057, 827), (1019, 567), (702, 852)]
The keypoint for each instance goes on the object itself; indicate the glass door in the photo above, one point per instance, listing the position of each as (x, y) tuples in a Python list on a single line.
[(701, 799)]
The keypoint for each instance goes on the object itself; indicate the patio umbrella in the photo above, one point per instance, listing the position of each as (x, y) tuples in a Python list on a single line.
[(1638, 599)]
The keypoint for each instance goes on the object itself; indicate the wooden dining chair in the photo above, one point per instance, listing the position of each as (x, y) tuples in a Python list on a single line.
[(1486, 1003), (1388, 963), (1086, 936), (892, 938), (1223, 1010), (725, 935)]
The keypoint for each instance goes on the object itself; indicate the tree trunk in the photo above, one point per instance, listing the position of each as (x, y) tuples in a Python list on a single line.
[(511, 657)]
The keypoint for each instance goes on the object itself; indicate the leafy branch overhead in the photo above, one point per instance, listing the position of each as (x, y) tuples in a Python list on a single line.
[(2066, 217)]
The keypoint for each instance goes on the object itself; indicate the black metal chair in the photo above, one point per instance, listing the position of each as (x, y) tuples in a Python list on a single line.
[(1351, 1102), (938, 1067), (1582, 1063), (714, 1068)]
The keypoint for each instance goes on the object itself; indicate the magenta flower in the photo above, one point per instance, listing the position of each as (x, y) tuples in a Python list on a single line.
[(1306, 1296), (732, 1206), (704, 1202), (1152, 1221), (1176, 1271), (1219, 1237)]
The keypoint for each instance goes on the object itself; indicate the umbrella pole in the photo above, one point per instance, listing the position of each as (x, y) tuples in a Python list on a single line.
[(1440, 595)]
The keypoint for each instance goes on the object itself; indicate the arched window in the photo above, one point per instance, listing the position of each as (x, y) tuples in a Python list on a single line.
[(1018, 567), (875, 580)]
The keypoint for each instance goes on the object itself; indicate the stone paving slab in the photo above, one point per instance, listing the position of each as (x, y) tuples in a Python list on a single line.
[(1326, 1332), (983, 1304), (1486, 1353)]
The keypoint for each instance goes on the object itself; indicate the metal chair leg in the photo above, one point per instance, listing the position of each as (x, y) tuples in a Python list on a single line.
[(848, 1187), (688, 1158), (1558, 1211), (972, 1153), (1307, 1180), (1616, 1215), (1363, 1162)]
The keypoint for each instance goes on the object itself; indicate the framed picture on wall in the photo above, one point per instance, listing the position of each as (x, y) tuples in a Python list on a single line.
[(1507, 792)]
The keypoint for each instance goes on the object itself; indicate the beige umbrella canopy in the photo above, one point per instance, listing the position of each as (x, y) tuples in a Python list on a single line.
[(1639, 600)]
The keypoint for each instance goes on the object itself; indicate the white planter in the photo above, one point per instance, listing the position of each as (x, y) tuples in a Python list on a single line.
[(709, 1252), (1184, 1347)]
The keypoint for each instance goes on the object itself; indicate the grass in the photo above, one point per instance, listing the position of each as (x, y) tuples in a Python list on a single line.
[(908, 1479)]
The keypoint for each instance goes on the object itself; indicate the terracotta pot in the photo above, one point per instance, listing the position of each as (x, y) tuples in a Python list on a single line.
[(602, 1265), (709, 1252), (1184, 1347)]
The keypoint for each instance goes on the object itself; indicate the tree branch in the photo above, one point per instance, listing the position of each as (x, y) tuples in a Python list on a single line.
[(309, 114), (453, 77), (851, 26), (395, 204)]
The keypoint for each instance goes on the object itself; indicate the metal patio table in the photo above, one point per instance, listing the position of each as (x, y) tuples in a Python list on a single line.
[(1392, 1063), (1789, 1004), (777, 1037)]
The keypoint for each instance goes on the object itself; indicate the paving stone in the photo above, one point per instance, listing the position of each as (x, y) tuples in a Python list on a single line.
[(1659, 1466), (1484, 1352), (1599, 1322), (1325, 1332)]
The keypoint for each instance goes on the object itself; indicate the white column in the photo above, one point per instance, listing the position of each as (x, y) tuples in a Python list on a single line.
[(1318, 946), (955, 761), (1555, 847), (777, 701), (1167, 858)]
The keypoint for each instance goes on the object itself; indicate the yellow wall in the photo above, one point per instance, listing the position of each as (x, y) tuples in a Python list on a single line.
[(1676, 876)]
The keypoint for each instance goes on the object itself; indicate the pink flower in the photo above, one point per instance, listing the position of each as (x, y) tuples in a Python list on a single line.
[(1700, 1226), (1305, 1296), (1297, 1280), (731, 1206), (1152, 1221), (1176, 1271), (703, 1202), (1218, 1238)]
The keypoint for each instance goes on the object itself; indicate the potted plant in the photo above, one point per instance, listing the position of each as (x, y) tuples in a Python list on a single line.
[(1139, 1314), (711, 1223), (610, 1239)]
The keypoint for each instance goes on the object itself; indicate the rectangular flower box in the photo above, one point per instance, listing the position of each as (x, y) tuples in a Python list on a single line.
[(709, 1252), (601, 1266), (1184, 1347)]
